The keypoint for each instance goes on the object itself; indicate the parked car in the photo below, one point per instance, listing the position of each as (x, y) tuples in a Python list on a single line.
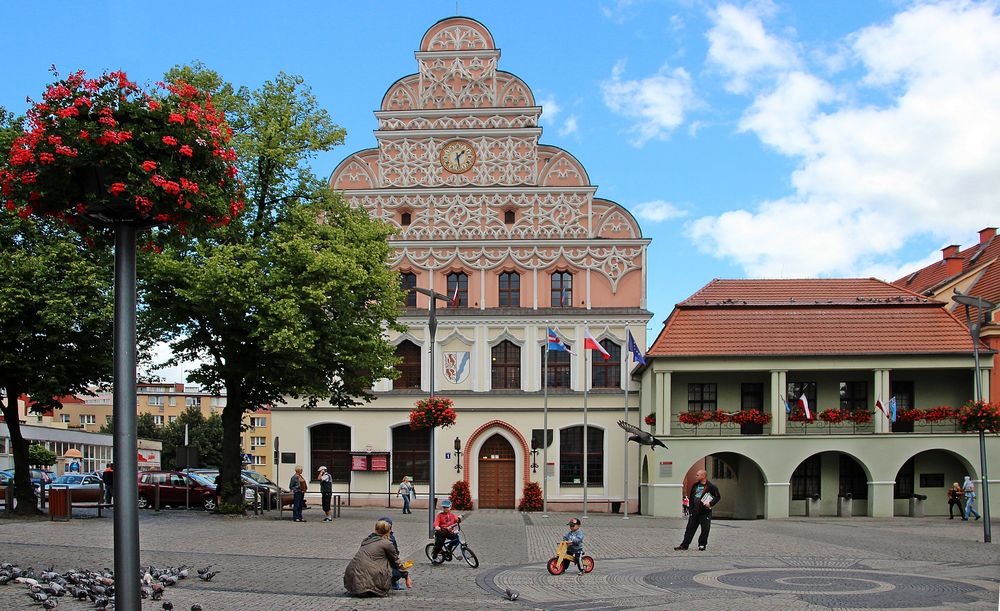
[(86, 488), (6, 477), (176, 489), (255, 484)]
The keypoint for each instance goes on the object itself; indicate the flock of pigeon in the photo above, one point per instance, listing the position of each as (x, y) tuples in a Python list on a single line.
[(48, 587)]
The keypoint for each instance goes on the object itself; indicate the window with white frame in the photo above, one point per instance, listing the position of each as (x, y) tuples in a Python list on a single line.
[(258, 460), (258, 422), (257, 442), (192, 402), (218, 401), (88, 419), (172, 401), (65, 418), (171, 419), (156, 400), (158, 420)]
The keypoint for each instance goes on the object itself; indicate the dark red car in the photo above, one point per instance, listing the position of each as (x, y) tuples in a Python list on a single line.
[(177, 489)]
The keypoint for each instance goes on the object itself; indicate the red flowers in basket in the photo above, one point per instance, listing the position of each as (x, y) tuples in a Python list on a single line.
[(750, 416), (909, 415), (939, 413), (835, 416), (429, 413), (694, 418), (979, 416)]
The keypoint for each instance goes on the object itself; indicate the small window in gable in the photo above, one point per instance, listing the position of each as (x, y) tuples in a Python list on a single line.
[(405, 219), (509, 217)]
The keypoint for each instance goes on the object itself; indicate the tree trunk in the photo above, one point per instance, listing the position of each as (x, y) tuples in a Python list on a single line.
[(230, 480), (27, 502)]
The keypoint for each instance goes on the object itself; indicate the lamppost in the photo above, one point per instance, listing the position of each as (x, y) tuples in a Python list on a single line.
[(458, 454), (432, 324), (974, 328), (534, 454)]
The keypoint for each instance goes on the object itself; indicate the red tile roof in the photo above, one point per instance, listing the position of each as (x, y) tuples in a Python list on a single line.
[(854, 316), (928, 280)]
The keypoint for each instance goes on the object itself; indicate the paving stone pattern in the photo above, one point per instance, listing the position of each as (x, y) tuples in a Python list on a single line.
[(271, 564)]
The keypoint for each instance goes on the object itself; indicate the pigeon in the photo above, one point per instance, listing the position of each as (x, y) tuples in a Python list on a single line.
[(196, 607), (512, 594), (167, 605), (205, 570), (51, 603), (640, 436), (207, 576)]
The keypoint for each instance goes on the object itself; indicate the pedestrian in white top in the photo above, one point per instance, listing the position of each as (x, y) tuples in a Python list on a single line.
[(406, 492)]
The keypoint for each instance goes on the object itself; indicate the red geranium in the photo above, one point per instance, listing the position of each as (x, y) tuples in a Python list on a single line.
[(694, 418), (88, 148), (436, 411), (650, 419), (834, 416), (979, 416), (750, 416), (909, 415), (939, 413)]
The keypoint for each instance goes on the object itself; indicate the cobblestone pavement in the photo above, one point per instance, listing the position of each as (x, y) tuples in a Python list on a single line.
[(270, 564)]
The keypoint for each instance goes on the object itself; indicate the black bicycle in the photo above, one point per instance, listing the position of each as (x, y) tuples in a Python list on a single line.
[(452, 548)]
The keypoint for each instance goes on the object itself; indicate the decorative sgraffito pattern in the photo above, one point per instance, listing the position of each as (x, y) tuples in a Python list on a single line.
[(455, 82), (457, 38), (458, 122), (412, 162)]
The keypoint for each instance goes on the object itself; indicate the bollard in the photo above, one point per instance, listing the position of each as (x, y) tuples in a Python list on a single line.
[(917, 505), (812, 506), (156, 497), (845, 505)]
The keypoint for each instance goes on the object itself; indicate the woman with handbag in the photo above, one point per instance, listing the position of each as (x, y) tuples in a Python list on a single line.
[(299, 486), (406, 492)]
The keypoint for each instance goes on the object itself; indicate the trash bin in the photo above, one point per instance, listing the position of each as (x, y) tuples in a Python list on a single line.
[(917, 505), (812, 506), (845, 505), (59, 503)]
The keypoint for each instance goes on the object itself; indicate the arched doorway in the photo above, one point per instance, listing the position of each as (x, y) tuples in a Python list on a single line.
[(497, 472), (929, 474), (827, 477), (740, 481)]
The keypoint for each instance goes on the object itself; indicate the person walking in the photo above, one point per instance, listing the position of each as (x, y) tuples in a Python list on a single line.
[(299, 486), (326, 491), (108, 477), (969, 488), (406, 492), (955, 501), (703, 496)]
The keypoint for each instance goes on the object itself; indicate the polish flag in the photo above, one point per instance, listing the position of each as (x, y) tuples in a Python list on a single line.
[(805, 407), (880, 407), (454, 298), (589, 343)]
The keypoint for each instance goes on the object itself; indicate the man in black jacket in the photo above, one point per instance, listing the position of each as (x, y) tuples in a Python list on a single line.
[(704, 495)]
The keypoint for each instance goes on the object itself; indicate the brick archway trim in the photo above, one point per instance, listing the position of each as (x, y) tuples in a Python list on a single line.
[(493, 424)]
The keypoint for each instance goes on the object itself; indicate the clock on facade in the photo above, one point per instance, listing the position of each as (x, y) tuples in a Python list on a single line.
[(457, 156)]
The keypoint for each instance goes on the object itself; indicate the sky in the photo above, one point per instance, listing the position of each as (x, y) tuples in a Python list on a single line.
[(761, 139)]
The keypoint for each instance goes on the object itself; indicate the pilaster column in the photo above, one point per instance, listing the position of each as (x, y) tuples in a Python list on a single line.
[(661, 394), (776, 496), (778, 415), (984, 381), (881, 387), (880, 499)]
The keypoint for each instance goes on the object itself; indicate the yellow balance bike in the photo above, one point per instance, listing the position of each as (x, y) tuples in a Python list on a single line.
[(562, 560)]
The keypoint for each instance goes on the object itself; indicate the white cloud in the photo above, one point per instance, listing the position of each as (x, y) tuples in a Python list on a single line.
[(658, 211), (657, 102), (741, 47), (569, 126), (921, 162), (550, 109), (174, 373), (618, 10)]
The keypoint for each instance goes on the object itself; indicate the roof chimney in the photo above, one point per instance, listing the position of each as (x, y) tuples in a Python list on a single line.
[(985, 235), (949, 251)]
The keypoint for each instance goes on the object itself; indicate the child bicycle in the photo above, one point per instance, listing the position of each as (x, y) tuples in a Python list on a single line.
[(562, 560), (454, 546)]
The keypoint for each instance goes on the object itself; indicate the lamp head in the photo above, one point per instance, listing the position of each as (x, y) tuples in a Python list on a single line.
[(458, 444)]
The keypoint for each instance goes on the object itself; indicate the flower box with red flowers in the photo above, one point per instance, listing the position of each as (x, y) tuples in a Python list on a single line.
[(979, 416), (650, 419), (694, 418), (750, 416), (429, 413), (105, 150), (909, 415), (861, 416), (799, 415), (718, 416), (939, 413), (835, 416)]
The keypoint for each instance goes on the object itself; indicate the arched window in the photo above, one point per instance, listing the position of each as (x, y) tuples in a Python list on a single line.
[(331, 447), (405, 219), (571, 456), (409, 366), (411, 452), (506, 359), (458, 289), (510, 289), (558, 373), (562, 290), (509, 217), (607, 374), (408, 281)]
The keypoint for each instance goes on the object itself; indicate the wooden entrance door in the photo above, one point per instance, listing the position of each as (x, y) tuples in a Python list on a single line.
[(496, 474)]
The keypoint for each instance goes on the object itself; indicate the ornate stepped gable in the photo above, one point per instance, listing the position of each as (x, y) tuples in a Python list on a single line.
[(459, 95)]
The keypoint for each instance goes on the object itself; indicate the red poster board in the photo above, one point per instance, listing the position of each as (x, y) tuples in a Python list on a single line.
[(359, 463), (380, 462)]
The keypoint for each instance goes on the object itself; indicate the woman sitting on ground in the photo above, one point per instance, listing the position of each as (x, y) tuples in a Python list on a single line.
[(370, 571)]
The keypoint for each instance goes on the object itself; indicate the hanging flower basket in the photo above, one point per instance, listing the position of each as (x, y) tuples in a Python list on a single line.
[(909, 415), (105, 151), (979, 416), (429, 413), (750, 416), (694, 418), (939, 413), (650, 419)]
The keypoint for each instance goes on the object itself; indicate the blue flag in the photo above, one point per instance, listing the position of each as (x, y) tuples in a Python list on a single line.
[(556, 343), (788, 408), (892, 409), (634, 349)]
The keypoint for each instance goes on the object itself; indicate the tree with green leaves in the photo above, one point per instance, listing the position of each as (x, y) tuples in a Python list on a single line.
[(291, 299), (205, 434), (145, 427), (40, 456), (56, 313)]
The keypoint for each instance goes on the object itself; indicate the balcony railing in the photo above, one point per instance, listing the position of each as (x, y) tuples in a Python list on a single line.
[(814, 427)]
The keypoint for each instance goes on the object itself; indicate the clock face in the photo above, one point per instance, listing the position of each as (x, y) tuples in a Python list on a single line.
[(457, 156)]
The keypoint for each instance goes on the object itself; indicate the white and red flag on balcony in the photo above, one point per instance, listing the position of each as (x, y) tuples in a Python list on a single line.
[(880, 407), (589, 343), (804, 402)]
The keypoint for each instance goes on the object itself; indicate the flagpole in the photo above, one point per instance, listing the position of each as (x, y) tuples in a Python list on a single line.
[(627, 376), (545, 424), (586, 367)]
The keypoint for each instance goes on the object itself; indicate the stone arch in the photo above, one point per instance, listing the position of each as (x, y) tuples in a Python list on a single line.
[(480, 434), (741, 480), (824, 472), (914, 475)]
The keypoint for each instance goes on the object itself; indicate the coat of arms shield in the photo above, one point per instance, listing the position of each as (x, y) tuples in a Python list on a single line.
[(456, 366)]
